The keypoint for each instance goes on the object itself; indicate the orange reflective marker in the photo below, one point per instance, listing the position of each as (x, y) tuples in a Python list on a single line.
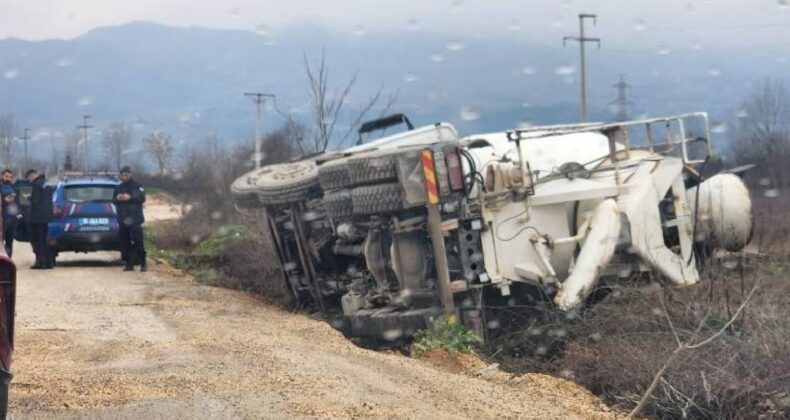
[(429, 172)]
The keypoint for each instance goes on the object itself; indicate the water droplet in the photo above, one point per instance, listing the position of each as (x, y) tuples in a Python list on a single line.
[(541, 350), (696, 46), (11, 73), (526, 105), (234, 13), (714, 72), (359, 30), (194, 239), (455, 45), (657, 312), (64, 62), (664, 51), (566, 373), (596, 336), (410, 77), (565, 70), (494, 324), (216, 215), (557, 23), (640, 25), (764, 182), (718, 127), (457, 6), (524, 125), (469, 113), (270, 42), (781, 59), (185, 117), (528, 70), (393, 334), (437, 57), (741, 113), (771, 193), (263, 29), (730, 265), (413, 24), (515, 25), (783, 4), (85, 101)]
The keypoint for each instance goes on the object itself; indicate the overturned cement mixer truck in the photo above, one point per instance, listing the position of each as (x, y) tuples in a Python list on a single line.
[(386, 234)]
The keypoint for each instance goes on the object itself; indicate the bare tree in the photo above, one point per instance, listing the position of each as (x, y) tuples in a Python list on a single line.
[(333, 121), (160, 145), (7, 128), (762, 135), (115, 142), (73, 151)]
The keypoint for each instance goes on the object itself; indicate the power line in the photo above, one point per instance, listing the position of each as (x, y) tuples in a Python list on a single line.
[(582, 40), (259, 99), (622, 101), (85, 126)]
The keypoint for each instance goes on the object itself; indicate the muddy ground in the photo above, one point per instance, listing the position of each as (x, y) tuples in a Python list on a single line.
[(95, 342)]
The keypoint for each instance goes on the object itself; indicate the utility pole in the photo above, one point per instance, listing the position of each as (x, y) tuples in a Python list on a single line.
[(260, 100), (581, 39), (85, 128), (622, 101), (25, 137)]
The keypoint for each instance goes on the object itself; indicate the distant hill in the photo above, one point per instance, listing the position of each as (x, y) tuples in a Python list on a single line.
[(189, 81)]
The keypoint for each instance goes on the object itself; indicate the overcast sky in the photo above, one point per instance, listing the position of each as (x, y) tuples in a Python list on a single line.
[(659, 23)]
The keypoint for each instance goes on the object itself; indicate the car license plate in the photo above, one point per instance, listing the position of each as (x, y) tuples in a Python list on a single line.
[(94, 224)]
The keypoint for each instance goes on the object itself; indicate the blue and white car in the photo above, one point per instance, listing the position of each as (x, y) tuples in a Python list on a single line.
[(85, 218)]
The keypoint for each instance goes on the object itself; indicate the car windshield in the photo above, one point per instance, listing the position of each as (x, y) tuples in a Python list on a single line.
[(89, 193)]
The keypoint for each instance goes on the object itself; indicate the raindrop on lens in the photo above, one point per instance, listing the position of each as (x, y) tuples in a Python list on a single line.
[(469, 113), (764, 182), (565, 70), (527, 70), (393, 334), (359, 30), (455, 45), (410, 77), (741, 113), (85, 101), (11, 73), (718, 127), (216, 215), (640, 25), (771, 193), (714, 72), (437, 57)]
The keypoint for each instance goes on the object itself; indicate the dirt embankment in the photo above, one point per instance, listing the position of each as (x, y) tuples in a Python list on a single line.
[(95, 342)]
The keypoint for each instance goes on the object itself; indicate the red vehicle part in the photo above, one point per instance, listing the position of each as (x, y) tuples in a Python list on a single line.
[(7, 302)]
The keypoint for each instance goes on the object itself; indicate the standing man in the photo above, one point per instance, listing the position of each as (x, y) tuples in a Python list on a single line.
[(128, 198), (10, 209), (40, 216)]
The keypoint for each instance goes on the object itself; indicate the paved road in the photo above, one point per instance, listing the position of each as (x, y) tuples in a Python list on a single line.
[(95, 342)]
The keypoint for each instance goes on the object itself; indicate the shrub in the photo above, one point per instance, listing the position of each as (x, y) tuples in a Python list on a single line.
[(445, 333)]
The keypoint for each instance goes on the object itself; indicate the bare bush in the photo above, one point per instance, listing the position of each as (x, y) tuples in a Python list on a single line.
[(160, 146), (762, 134)]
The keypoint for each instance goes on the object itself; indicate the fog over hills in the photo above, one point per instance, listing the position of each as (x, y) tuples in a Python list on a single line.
[(189, 81)]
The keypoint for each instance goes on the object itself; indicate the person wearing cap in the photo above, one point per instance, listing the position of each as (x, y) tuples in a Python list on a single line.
[(40, 214), (128, 198), (10, 209)]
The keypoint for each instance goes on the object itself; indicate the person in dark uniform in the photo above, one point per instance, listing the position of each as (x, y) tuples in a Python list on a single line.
[(10, 209), (128, 198), (40, 215)]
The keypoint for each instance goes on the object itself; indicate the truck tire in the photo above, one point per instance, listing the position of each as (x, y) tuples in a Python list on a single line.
[(338, 204), (244, 194), (373, 168), (373, 199), (287, 182), (334, 175)]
